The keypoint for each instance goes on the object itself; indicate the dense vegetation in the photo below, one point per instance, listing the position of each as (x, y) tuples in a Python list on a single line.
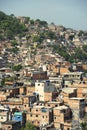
[(84, 126), (10, 26), (79, 54), (28, 126)]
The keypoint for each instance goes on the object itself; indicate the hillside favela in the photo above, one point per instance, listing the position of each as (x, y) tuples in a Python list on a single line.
[(43, 75)]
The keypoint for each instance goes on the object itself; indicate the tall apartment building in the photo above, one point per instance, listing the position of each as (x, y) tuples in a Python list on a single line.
[(43, 87)]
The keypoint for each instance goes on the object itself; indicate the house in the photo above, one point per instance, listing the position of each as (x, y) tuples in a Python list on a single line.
[(28, 101), (77, 106), (71, 77), (5, 114), (62, 116), (40, 115), (63, 70), (5, 70), (81, 91), (50, 96), (3, 95), (27, 89), (57, 80), (45, 90), (11, 125), (66, 94), (19, 117), (39, 75), (11, 90), (13, 103), (53, 104)]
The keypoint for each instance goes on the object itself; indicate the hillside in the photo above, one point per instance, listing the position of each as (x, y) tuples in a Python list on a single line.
[(37, 34)]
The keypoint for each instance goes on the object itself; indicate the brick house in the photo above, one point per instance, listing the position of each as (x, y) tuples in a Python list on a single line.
[(62, 116), (40, 115)]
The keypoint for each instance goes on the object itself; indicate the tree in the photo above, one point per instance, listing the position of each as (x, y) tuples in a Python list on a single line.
[(14, 43), (11, 26), (28, 126), (35, 38), (9, 34), (2, 16), (84, 126), (84, 48), (17, 67), (3, 82), (51, 35), (43, 23), (14, 50), (32, 22), (27, 19), (80, 33)]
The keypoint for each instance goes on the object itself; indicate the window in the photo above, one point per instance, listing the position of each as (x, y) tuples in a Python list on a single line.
[(30, 109), (31, 115), (54, 117)]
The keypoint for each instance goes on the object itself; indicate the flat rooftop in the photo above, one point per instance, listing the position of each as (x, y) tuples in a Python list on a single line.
[(76, 98), (68, 90), (53, 102), (10, 122), (61, 107)]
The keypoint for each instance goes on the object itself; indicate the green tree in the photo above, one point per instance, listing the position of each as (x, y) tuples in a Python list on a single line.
[(1, 37), (43, 23), (17, 67), (2, 16), (84, 48), (35, 38), (28, 126), (9, 34), (84, 126), (80, 33), (3, 82), (11, 26), (51, 35), (14, 50), (32, 22), (14, 43)]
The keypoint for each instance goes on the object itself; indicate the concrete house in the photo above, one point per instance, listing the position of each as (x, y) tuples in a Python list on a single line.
[(43, 87)]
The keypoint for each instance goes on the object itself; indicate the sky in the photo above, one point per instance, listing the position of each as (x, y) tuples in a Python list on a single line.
[(69, 13)]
